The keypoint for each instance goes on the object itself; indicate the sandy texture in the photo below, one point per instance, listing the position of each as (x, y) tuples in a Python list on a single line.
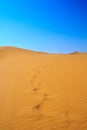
[(41, 91)]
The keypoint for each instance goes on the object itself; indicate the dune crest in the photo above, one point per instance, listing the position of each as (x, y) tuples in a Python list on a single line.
[(39, 91), (75, 53)]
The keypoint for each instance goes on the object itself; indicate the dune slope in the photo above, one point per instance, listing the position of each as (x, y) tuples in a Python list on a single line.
[(40, 91)]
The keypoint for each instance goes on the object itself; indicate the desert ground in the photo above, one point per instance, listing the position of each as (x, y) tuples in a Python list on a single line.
[(40, 91)]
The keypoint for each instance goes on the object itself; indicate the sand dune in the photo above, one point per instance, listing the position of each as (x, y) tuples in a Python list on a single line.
[(40, 91), (75, 53)]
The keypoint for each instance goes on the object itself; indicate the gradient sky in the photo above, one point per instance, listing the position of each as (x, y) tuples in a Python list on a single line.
[(55, 26)]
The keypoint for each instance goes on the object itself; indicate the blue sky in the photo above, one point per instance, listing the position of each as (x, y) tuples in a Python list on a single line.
[(55, 26)]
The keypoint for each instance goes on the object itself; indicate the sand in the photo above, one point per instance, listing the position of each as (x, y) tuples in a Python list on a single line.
[(40, 91)]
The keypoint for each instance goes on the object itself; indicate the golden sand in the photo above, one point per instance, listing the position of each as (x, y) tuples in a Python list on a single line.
[(40, 91)]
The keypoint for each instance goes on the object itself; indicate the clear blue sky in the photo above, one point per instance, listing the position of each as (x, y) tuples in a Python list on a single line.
[(58, 26)]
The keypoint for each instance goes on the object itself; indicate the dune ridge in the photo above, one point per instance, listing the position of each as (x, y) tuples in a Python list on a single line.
[(78, 53), (40, 91)]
